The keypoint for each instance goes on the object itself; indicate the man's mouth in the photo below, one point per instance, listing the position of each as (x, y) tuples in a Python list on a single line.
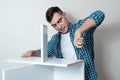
[(63, 28)]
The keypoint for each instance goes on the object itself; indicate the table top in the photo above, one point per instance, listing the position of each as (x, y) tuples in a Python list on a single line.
[(49, 62)]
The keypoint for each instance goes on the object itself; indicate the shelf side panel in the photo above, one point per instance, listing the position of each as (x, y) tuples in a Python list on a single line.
[(44, 35), (32, 72), (75, 72)]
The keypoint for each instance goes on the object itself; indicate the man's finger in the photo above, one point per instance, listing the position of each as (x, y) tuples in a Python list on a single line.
[(78, 45)]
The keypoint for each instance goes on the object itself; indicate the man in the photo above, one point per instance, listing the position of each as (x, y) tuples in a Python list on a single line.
[(73, 41)]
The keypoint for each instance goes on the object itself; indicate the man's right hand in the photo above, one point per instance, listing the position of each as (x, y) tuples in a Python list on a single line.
[(31, 53)]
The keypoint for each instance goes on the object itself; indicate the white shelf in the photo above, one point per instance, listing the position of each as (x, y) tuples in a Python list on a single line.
[(48, 62), (48, 69)]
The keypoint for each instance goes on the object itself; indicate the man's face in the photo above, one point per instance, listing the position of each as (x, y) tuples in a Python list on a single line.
[(60, 23)]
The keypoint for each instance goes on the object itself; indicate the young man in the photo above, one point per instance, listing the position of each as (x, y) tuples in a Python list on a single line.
[(73, 41)]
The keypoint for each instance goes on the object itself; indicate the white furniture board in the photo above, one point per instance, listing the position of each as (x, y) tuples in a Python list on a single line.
[(48, 62), (44, 36), (75, 72), (31, 72), (37, 72)]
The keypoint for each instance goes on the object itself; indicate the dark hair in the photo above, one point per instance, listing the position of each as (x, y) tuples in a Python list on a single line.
[(50, 12)]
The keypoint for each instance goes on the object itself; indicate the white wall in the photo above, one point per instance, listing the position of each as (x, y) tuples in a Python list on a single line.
[(20, 29)]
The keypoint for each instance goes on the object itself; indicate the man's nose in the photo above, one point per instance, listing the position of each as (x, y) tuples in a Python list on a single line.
[(58, 26)]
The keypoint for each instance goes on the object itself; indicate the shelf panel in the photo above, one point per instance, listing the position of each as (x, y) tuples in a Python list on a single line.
[(29, 72), (49, 62)]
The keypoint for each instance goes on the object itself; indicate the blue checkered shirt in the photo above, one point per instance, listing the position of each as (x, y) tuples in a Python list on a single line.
[(85, 53)]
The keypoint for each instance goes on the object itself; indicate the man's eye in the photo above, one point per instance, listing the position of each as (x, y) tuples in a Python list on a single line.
[(60, 20), (54, 25)]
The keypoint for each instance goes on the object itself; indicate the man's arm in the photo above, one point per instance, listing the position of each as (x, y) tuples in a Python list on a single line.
[(89, 23), (78, 41), (37, 53), (94, 20)]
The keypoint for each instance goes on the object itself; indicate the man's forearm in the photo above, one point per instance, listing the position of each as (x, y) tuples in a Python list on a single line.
[(89, 23)]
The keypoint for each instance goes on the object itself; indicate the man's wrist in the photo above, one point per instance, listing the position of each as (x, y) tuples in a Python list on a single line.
[(80, 31)]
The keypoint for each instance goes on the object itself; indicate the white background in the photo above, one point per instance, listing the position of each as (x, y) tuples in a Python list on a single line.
[(20, 22)]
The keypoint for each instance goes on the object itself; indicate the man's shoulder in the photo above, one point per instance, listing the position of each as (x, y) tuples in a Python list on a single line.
[(76, 24), (80, 21), (56, 36)]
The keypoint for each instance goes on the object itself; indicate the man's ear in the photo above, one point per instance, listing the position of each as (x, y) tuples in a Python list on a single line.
[(65, 14)]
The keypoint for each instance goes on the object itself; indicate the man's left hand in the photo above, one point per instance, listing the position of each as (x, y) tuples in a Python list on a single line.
[(78, 40)]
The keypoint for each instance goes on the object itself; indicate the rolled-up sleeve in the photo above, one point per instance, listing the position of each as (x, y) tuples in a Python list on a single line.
[(98, 17)]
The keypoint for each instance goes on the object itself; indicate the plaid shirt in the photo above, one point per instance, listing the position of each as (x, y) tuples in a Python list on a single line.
[(85, 53)]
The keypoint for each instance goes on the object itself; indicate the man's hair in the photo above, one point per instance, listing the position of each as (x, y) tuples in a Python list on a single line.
[(50, 12)]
